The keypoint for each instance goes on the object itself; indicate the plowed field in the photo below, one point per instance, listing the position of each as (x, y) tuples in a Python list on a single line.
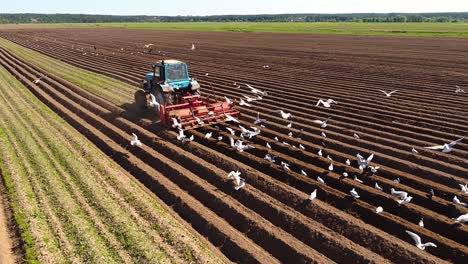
[(271, 220)]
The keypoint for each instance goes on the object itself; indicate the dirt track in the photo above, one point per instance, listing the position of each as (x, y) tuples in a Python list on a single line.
[(270, 213)]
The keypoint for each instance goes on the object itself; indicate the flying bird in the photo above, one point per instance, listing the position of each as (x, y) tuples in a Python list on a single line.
[(255, 90), (230, 118), (243, 103), (283, 114), (229, 101), (231, 131), (390, 93), (417, 240), (459, 90), (135, 141), (258, 120), (464, 188), (322, 123), (446, 147), (399, 194), (270, 158), (326, 103), (238, 181), (363, 163), (405, 200)]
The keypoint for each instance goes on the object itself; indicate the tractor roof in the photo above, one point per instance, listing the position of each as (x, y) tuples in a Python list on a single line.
[(167, 62)]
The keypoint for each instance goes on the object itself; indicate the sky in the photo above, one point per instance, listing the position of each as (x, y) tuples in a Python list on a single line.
[(218, 7)]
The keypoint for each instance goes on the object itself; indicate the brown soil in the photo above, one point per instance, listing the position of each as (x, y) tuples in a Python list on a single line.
[(270, 213)]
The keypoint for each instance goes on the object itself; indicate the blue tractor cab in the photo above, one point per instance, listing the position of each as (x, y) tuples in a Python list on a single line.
[(168, 82)]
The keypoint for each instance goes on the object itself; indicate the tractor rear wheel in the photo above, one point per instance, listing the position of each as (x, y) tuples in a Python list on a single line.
[(140, 99)]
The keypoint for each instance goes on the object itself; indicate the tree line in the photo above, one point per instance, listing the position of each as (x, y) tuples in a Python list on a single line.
[(362, 17)]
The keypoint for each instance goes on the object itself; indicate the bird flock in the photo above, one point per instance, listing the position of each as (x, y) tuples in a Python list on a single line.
[(364, 163)]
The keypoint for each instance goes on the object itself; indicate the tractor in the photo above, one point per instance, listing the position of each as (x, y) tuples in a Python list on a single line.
[(169, 82), (178, 97)]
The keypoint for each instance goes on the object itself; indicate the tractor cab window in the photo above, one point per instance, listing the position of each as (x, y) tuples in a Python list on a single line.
[(176, 71)]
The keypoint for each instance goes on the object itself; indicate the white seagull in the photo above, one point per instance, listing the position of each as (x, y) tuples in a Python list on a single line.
[(243, 103), (462, 218), (421, 223), (457, 201), (417, 240), (390, 93), (446, 147), (238, 181), (326, 103), (256, 91), (135, 141), (378, 210), (398, 194), (319, 179), (322, 123), (414, 151), (357, 179), (304, 173), (348, 162), (320, 153), (268, 145), (231, 131), (354, 193), (181, 136), (283, 114), (406, 200), (363, 163), (270, 158), (313, 195), (176, 124), (230, 118), (229, 101), (378, 187), (459, 90), (153, 102), (330, 167), (259, 120), (193, 46), (464, 188), (208, 135)]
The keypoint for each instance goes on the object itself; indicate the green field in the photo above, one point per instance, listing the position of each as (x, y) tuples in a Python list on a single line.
[(402, 29)]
